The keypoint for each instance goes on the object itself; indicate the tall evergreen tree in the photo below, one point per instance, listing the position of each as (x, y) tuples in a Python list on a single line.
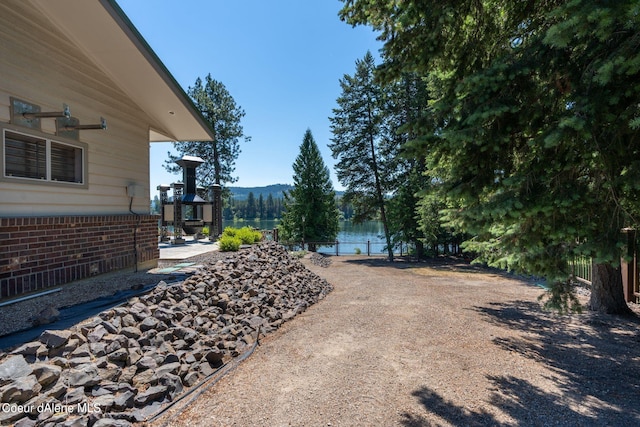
[(407, 103), (223, 116), (262, 214), (311, 214), (251, 211), (539, 127), (271, 207), (359, 143)]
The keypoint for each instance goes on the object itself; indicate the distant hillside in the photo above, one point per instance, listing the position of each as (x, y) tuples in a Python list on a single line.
[(276, 191)]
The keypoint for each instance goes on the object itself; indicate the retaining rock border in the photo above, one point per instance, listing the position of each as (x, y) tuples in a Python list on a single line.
[(121, 366)]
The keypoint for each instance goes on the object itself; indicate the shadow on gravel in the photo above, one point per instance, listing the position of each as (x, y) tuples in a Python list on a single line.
[(443, 264), (439, 263), (596, 363)]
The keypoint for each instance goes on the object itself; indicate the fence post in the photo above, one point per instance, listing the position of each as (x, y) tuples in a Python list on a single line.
[(368, 247), (337, 246)]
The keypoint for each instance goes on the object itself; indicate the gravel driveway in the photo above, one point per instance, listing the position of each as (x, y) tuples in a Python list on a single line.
[(430, 344)]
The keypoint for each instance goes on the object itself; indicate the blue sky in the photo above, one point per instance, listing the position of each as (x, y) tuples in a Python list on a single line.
[(281, 61)]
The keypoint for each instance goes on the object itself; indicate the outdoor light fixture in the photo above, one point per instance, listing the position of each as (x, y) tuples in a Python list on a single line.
[(101, 126), (38, 115)]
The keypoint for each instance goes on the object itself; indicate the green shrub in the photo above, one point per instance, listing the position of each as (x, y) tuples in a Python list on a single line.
[(205, 230), (358, 251), (229, 244), (229, 231), (248, 235)]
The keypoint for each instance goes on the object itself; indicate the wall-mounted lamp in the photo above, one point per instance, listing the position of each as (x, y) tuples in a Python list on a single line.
[(102, 126), (38, 115)]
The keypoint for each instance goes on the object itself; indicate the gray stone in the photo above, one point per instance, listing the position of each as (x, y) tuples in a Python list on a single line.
[(134, 355), (74, 421), (131, 332), (214, 357), (46, 316), (110, 327), (78, 361), (13, 368), (97, 333), (154, 393), (173, 384), (127, 373), (54, 339), (139, 310), (120, 354), (111, 372), (144, 378), (56, 391), (170, 358), (25, 422), (146, 362), (168, 368), (74, 396), (112, 422), (124, 400), (104, 402), (191, 379), (30, 348), (128, 320), (82, 350), (21, 389), (46, 373), (149, 323), (82, 376), (98, 349), (7, 417)]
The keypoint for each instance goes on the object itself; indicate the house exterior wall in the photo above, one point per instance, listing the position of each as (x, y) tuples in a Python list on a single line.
[(51, 234), (41, 252), (41, 66)]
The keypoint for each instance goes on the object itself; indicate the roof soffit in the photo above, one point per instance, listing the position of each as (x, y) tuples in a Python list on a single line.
[(102, 31)]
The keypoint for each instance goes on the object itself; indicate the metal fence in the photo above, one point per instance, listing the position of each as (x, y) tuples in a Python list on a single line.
[(581, 269), (366, 248)]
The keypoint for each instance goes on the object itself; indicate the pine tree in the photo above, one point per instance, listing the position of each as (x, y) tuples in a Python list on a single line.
[(311, 214), (359, 142), (271, 207), (223, 116), (539, 131), (261, 208), (251, 211)]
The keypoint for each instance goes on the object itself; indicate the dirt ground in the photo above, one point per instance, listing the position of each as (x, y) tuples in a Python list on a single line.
[(400, 344)]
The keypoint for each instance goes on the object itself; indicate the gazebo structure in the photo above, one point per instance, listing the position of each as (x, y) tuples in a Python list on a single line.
[(191, 208)]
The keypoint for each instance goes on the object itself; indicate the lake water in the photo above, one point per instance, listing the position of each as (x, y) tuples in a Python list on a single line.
[(351, 238)]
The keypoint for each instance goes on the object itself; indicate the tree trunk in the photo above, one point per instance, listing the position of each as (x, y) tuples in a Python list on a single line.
[(419, 249), (606, 290)]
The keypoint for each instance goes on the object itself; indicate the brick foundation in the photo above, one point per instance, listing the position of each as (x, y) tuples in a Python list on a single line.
[(37, 253)]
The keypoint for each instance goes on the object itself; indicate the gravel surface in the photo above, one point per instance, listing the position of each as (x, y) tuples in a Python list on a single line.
[(429, 345), (412, 344)]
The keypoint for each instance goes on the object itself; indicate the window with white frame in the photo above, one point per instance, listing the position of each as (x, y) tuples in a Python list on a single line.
[(39, 158)]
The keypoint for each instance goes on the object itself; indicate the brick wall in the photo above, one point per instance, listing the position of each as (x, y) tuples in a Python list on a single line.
[(40, 252)]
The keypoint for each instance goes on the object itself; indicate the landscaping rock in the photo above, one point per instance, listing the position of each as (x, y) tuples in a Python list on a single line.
[(13, 368), (130, 359), (55, 339)]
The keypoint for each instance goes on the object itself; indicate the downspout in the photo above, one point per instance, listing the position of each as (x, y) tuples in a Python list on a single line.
[(135, 235)]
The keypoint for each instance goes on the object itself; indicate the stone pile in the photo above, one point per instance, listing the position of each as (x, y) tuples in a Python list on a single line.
[(121, 366), (320, 260)]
